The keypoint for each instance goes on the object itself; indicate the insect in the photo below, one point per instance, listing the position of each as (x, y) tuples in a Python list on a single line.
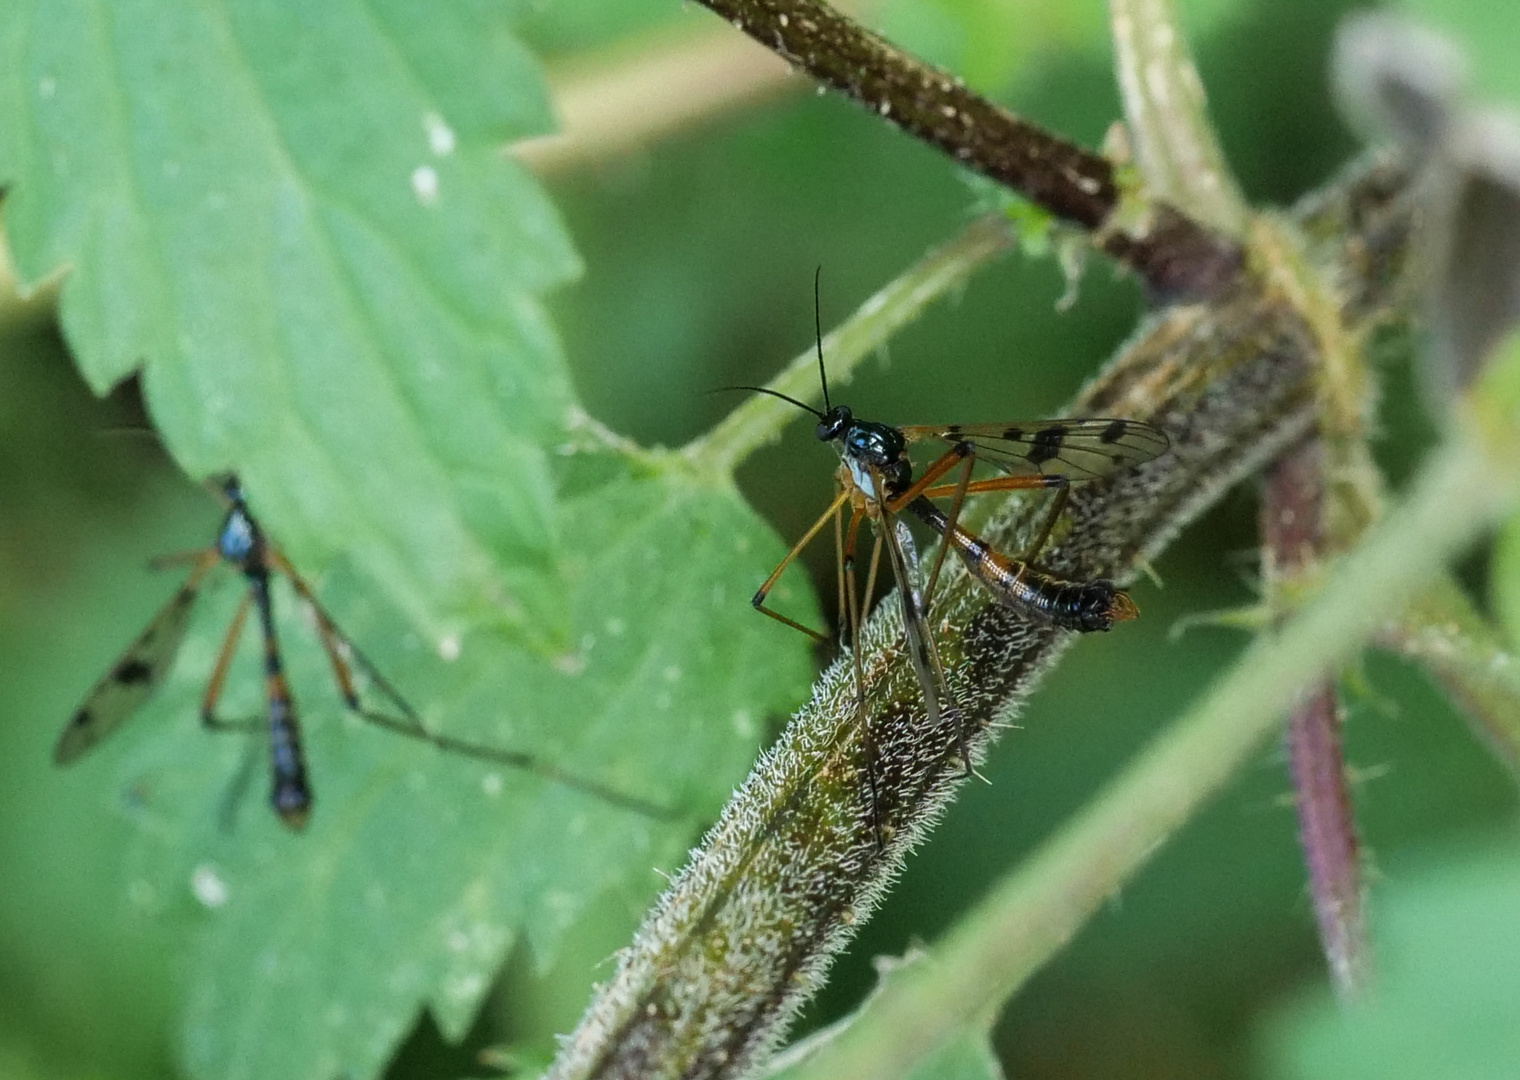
[(875, 480), (140, 670)]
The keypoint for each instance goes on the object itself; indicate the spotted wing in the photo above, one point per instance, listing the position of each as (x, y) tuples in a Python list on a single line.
[(136, 675), (1076, 449)]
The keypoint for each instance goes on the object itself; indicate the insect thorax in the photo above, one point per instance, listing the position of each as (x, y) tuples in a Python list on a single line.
[(239, 539)]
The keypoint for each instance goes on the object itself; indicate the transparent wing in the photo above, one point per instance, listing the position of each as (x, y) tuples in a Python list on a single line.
[(921, 648), (1076, 449), (137, 674)]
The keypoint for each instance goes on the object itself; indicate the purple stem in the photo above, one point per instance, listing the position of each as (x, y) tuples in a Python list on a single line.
[(1293, 538)]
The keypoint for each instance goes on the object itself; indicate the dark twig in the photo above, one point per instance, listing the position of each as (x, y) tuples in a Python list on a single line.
[(1176, 257)]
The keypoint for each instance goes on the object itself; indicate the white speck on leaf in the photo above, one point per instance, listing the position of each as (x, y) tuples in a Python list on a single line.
[(450, 647), (425, 184), (47, 86), (744, 723), (672, 673), (569, 663), (490, 783), (440, 136), (615, 626), (209, 887)]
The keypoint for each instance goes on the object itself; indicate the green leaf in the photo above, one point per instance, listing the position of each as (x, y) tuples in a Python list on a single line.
[(968, 1056), (296, 222), (419, 868), (1444, 1000)]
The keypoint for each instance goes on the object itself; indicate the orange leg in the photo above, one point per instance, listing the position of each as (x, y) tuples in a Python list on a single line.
[(218, 679), (1016, 483), (759, 598), (956, 500), (998, 483), (335, 643), (330, 636), (203, 558)]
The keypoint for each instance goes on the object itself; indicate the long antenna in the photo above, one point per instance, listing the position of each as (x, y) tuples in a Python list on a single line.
[(773, 393), (818, 337)]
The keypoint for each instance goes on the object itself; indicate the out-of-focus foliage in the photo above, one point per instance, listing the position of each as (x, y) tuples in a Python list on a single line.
[(698, 257), (1449, 978), (1486, 30), (967, 1056)]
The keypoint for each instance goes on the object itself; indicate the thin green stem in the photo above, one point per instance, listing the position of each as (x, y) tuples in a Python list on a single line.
[(760, 418), (1164, 107), (1033, 912), (1444, 634)]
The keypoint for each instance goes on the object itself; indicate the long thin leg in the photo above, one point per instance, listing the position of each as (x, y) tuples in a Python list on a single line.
[(854, 613), (862, 717), (870, 592), (335, 643), (1057, 504), (759, 598), (839, 562), (991, 483), (1017, 483), (955, 513), (329, 635), (214, 685), (178, 558)]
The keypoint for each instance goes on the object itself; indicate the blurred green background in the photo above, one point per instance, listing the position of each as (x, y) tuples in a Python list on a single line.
[(699, 255)]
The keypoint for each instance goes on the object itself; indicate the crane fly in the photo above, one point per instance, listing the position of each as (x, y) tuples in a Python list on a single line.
[(875, 481), (137, 674)]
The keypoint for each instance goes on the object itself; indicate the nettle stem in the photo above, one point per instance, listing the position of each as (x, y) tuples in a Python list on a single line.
[(743, 936), (1176, 256)]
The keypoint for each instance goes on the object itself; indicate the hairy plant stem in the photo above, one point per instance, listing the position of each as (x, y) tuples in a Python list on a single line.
[(1468, 658), (1175, 256), (780, 883), (1294, 541), (1032, 912)]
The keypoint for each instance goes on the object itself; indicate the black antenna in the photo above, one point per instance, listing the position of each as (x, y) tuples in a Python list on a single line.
[(772, 393), (818, 337)]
